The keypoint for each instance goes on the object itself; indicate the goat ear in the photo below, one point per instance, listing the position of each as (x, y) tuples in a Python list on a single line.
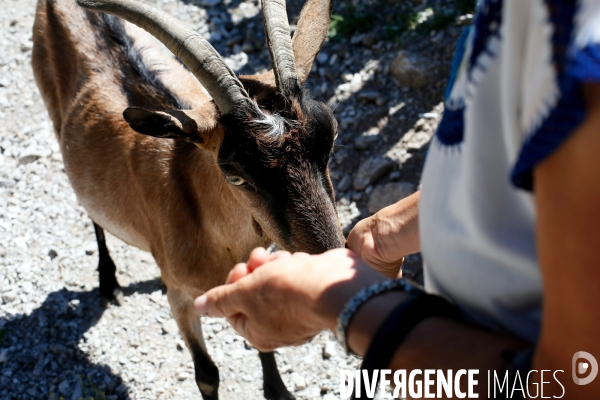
[(310, 35), (196, 126), (159, 124)]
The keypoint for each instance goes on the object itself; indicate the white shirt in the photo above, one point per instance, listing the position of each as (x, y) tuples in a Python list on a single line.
[(514, 96)]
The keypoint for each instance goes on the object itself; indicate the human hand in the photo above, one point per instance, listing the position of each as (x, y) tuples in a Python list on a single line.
[(285, 299), (383, 239)]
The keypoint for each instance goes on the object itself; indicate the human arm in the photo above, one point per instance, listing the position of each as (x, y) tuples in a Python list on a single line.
[(383, 239), (567, 197), (289, 300)]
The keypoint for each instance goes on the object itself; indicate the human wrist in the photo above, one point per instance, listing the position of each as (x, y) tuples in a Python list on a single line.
[(398, 227), (346, 276)]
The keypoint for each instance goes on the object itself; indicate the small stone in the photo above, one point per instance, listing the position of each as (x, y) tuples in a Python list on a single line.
[(3, 355), (322, 58), (371, 171), (394, 176), (29, 157), (9, 297), (78, 392), (464, 20), (429, 115), (344, 183), (64, 387), (368, 95), (235, 40), (170, 327), (182, 376), (369, 39), (298, 381), (52, 254), (209, 3), (333, 59), (57, 348), (365, 142), (121, 389), (389, 194), (248, 47), (347, 77), (156, 296), (410, 69), (329, 350)]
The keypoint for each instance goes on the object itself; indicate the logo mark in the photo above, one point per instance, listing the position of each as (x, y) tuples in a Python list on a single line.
[(581, 367)]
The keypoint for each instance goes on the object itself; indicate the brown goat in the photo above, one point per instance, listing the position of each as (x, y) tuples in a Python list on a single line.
[(211, 176)]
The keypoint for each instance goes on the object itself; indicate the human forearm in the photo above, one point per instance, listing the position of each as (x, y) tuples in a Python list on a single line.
[(567, 194), (397, 226), (383, 239), (288, 300)]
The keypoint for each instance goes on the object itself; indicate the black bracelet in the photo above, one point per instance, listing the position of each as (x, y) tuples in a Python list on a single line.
[(399, 323)]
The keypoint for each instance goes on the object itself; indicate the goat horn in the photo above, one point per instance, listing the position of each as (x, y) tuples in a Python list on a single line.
[(193, 50), (279, 42)]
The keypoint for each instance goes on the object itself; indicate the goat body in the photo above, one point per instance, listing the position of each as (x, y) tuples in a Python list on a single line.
[(199, 188)]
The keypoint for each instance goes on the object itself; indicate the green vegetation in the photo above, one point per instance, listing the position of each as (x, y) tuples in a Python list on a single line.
[(403, 19), (350, 23), (466, 6)]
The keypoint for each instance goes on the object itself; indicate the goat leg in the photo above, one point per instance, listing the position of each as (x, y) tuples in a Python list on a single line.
[(273, 386), (109, 286), (190, 327)]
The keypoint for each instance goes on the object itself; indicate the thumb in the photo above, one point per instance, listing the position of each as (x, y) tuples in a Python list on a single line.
[(222, 301)]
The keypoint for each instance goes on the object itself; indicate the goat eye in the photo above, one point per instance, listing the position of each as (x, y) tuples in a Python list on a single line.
[(235, 180)]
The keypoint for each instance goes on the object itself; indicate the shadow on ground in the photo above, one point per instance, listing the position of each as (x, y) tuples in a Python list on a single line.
[(41, 354)]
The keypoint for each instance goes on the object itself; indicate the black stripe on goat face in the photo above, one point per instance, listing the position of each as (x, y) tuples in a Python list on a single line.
[(276, 162)]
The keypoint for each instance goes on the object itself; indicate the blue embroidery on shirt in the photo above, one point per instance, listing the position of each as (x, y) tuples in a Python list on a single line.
[(573, 66), (487, 25), (451, 127)]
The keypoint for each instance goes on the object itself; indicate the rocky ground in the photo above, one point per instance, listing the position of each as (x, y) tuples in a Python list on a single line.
[(383, 71)]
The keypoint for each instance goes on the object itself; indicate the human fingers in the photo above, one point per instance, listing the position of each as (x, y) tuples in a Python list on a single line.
[(300, 255), (258, 257), (280, 254), (238, 271), (360, 234), (222, 301)]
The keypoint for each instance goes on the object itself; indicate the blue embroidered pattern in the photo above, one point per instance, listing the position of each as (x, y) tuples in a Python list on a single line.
[(572, 66), (487, 23), (451, 127)]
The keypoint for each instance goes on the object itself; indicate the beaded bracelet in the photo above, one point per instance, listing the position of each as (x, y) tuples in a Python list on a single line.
[(365, 294)]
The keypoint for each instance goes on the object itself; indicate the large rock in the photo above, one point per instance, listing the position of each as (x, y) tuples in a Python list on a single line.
[(371, 171), (386, 195), (410, 69)]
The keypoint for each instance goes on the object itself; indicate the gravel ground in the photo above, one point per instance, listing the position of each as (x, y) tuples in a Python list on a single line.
[(57, 339)]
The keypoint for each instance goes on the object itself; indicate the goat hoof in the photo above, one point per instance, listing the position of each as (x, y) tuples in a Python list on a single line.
[(116, 296), (209, 392), (278, 393)]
